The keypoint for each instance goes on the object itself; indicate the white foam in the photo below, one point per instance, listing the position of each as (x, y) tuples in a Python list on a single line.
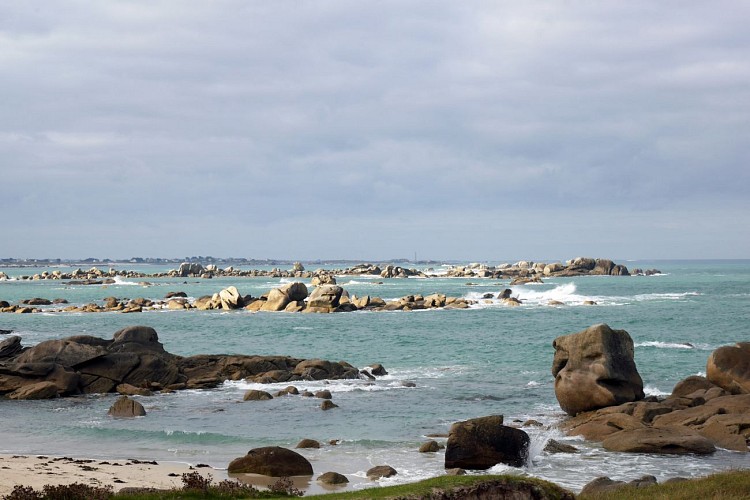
[(565, 294), (654, 391), (119, 281), (673, 345)]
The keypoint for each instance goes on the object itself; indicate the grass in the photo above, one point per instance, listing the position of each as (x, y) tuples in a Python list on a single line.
[(733, 485), (428, 486), (723, 486)]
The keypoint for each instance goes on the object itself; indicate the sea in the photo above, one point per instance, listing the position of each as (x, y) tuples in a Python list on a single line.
[(443, 366)]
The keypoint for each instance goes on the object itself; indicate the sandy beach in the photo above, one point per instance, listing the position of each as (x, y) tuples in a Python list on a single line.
[(36, 471)]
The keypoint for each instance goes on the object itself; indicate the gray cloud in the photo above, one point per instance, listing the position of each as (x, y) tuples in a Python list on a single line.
[(266, 126)]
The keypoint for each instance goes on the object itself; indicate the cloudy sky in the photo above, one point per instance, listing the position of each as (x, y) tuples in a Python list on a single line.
[(372, 130)]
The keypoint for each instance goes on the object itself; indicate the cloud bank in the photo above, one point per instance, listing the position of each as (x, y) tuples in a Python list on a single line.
[(334, 129)]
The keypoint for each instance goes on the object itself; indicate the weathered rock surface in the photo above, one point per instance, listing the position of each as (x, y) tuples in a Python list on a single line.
[(481, 443), (271, 461), (134, 361), (729, 368), (605, 484), (667, 440), (696, 422), (332, 478), (125, 407), (381, 471), (595, 368)]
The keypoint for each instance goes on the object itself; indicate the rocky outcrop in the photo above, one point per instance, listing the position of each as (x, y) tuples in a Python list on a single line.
[(481, 443), (135, 361), (729, 368), (697, 422), (595, 368), (271, 461)]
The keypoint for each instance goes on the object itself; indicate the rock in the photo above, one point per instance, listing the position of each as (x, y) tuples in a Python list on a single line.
[(332, 478), (690, 385), (729, 368), (597, 427), (669, 440), (125, 407), (378, 370), (171, 295), (457, 471), (595, 368), (324, 298), (271, 461), (276, 300), (429, 447), (298, 267), (10, 347), (39, 390), (308, 443), (380, 471), (230, 298), (131, 390), (601, 485), (554, 446), (256, 395), (37, 302), (604, 484), (328, 405), (190, 269), (207, 302), (324, 394), (481, 443)]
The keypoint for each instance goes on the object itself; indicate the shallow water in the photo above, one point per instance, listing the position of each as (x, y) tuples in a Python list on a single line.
[(491, 359)]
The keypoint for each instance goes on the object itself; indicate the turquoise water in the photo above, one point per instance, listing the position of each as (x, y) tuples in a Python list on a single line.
[(491, 359)]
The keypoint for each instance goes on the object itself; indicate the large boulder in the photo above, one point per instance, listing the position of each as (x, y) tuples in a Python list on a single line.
[(271, 461), (729, 368), (595, 368), (230, 298), (190, 269), (481, 443), (279, 298), (324, 298)]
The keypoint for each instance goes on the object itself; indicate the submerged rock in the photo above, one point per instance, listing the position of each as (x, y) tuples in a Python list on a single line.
[(125, 407)]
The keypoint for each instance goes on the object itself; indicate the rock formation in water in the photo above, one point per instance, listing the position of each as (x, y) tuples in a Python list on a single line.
[(135, 358), (595, 368)]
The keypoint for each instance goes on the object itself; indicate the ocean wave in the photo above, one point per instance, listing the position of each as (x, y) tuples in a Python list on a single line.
[(649, 390), (564, 294), (120, 281), (673, 345), (664, 296)]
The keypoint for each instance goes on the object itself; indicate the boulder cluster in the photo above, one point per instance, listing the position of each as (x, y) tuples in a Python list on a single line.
[(596, 381), (134, 361), (291, 297), (574, 267)]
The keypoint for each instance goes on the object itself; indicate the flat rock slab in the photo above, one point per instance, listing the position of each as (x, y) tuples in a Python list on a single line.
[(671, 440)]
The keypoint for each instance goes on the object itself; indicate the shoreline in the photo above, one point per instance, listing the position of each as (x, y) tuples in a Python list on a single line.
[(38, 470)]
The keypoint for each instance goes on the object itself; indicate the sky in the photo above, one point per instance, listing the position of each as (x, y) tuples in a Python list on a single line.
[(482, 131)]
